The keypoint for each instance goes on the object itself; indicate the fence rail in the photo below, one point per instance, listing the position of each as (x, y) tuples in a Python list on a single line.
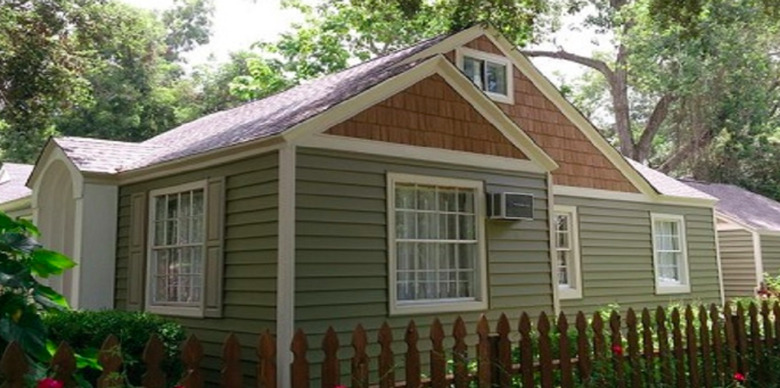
[(693, 347)]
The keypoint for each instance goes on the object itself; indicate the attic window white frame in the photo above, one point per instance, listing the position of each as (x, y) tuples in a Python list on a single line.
[(509, 98), (480, 301), (195, 309), (573, 290), (684, 285)]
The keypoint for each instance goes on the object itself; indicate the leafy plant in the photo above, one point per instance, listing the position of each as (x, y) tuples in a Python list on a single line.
[(85, 331), (23, 299)]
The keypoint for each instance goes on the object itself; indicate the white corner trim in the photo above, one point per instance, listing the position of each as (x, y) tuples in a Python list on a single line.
[(568, 292), (685, 286), (455, 78), (508, 98), (582, 192), (758, 255), (373, 147), (478, 304), (718, 258), (551, 245), (285, 290)]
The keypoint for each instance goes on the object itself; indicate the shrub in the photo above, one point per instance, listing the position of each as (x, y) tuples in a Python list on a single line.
[(85, 331)]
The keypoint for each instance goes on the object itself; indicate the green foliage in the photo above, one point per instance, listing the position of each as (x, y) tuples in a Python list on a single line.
[(86, 330), (338, 33), (22, 298), (94, 68)]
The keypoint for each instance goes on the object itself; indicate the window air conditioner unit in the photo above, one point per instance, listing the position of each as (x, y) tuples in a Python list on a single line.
[(510, 206)]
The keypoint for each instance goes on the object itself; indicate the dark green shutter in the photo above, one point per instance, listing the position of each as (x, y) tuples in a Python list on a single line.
[(215, 217), (137, 252)]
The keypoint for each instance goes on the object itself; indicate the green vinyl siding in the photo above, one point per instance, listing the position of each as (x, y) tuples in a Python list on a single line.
[(341, 247), (617, 254), (770, 254), (738, 262), (249, 284)]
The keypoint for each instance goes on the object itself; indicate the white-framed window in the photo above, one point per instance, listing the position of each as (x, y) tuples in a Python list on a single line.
[(437, 259), (489, 72), (670, 254), (567, 252), (177, 245)]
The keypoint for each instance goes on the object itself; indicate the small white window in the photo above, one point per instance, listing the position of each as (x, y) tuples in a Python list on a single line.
[(177, 249), (437, 244), (567, 252), (489, 72), (670, 254)]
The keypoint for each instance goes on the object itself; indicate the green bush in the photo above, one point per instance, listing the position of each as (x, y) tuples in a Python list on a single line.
[(85, 331)]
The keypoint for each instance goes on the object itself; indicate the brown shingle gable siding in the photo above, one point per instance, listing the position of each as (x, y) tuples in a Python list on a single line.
[(430, 114), (581, 163)]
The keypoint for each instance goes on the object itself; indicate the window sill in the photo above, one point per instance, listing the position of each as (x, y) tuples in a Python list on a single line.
[(666, 289), (434, 307), (506, 99), (177, 311), (566, 293)]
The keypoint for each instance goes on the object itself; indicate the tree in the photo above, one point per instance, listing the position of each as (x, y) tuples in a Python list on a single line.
[(675, 58), (338, 33), (104, 69)]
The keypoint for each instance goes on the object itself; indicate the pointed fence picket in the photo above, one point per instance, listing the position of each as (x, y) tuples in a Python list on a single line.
[(695, 347)]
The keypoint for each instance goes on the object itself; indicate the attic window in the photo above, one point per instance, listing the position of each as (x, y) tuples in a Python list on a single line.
[(489, 72)]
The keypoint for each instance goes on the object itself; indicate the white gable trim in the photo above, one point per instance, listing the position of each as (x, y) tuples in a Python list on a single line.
[(582, 192), (436, 65), (549, 91)]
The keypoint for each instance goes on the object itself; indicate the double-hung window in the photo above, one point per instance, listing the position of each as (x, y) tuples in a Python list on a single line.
[(437, 244), (567, 252), (177, 249), (670, 254), (489, 72)]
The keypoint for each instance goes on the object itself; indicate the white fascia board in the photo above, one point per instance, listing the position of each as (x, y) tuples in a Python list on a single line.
[(581, 192)]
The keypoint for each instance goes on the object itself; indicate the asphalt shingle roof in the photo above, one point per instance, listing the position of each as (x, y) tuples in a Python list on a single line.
[(747, 207), (667, 185), (252, 121), (15, 178)]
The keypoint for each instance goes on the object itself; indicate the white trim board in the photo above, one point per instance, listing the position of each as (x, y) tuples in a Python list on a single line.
[(285, 289), (581, 192), (373, 147)]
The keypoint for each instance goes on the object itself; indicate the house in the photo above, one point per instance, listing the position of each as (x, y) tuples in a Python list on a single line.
[(14, 194), (748, 226), (362, 197)]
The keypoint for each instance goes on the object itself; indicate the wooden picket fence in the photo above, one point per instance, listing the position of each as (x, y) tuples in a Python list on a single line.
[(693, 347)]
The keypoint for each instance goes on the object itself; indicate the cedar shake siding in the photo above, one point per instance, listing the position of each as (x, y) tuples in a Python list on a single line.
[(431, 114), (738, 262), (250, 243), (617, 254), (581, 163), (342, 257)]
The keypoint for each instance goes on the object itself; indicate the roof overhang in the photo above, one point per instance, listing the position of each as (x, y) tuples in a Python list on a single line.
[(51, 154)]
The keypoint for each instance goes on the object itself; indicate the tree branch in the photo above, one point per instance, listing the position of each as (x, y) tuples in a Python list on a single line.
[(595, 64), (686, 152), (657, 118)]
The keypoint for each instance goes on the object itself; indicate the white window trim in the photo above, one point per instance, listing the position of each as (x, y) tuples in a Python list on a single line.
[(185, 311), (662, 288), (440, 306), (509, 98), (568, 292)]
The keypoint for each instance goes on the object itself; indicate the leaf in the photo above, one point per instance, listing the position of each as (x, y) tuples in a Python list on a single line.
[(16, 242), (49, 298), (45, 262)]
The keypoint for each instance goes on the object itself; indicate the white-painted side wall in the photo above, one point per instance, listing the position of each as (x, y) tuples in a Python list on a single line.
[(97, 246)]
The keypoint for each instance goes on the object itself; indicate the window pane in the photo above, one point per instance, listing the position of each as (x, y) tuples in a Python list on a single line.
[(447, 199), (467, 228), (173, 206), (466, 201), (562, 240), (473, 68), (496, 78), (448, 227), (198, 207), (405, 225), (171, 232), (159, 208), (405, 253), (426, 199), (562, 222), (404, 197), (563, 267), (427, 227)]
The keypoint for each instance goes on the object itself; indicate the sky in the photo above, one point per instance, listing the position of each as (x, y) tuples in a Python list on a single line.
[(239, 23)]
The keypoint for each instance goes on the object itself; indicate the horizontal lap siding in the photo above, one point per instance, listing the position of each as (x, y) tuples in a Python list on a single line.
[(770, 254), (249, 299), (341, 238), (617, 254), (738, 261)]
